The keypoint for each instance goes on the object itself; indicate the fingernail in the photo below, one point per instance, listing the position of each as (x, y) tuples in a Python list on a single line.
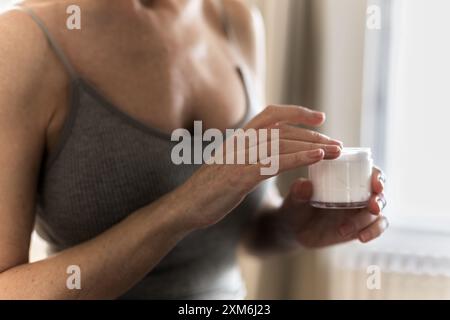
[(364, 237), (316, 154), (318, 115), (301, 192), (382, 183), (347, 229), (381, 203), (382, 179), (340, 143), (332, 149)]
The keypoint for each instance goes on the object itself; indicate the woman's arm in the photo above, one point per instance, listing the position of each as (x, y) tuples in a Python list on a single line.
[(111, 263)]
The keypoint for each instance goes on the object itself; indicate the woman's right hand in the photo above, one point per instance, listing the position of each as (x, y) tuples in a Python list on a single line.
[(216, 189)]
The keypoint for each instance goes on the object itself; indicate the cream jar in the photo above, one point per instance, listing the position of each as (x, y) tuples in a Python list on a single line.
[(343, 183)]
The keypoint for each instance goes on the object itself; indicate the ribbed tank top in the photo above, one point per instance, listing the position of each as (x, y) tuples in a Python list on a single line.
[(107, 165)]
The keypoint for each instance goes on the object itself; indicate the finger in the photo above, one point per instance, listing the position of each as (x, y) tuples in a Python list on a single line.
[(267, 140), (263, 152), (289, 132), (291, 146), (374, 230), (301, 190), (356, 223), (282, 163), (300, 193), (273, 115), (377, 204), (295, 160), (378, 180)]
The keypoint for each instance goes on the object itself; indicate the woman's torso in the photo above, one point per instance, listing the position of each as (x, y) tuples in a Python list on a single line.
[(164, 73), (109, 146)]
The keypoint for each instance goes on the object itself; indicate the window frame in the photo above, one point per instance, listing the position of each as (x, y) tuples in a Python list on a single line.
[(414, 234)]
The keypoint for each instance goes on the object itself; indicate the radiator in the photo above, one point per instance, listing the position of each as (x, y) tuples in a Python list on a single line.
[(417, 270)]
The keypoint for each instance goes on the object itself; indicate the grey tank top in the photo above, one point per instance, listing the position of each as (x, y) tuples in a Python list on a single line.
[(108, 165)]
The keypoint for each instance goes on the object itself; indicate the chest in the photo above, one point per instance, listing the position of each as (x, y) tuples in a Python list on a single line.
[(169, 84)]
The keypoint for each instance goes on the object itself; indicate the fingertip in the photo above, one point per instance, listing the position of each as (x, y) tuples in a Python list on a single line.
[(380, 187), (316, 155), (316, 118), (381, 181), (304, 190), (378, 182), (337, 143), (374, 206), (321, 153), (374, 230), (319, 121), (322, 116), (333, 155), (364, 237), (305, 183)]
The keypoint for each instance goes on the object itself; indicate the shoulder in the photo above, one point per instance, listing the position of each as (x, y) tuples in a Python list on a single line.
[(248, 26), (22, 46), (27, 64)]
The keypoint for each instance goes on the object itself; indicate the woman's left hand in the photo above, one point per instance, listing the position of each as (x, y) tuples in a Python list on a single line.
[(315, 228)]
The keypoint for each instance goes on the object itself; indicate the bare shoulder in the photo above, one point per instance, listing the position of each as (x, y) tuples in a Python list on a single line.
[(22, 128), (27, 64), (22, 45), (248, 25)]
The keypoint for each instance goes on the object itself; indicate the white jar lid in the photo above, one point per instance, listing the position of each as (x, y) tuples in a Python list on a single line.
[(355, 154)]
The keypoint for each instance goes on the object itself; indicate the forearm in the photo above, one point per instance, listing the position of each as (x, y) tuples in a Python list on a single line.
[(269, 234), (110, 263)]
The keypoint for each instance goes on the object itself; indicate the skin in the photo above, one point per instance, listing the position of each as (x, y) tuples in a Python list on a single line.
[(128, 47)]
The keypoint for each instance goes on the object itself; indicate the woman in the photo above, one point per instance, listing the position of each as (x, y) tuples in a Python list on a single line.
[(85, 122)]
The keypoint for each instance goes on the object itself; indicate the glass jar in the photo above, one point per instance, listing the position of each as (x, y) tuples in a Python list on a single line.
[(343, 183)]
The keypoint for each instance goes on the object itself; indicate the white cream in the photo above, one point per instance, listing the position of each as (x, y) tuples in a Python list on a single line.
[(344, 182)]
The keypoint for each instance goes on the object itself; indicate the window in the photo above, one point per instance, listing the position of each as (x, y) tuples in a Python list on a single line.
[(411, 105)]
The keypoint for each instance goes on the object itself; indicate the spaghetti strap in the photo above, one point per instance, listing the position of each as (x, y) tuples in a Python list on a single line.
[(232, 38), (51, 40), (227, 25)]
